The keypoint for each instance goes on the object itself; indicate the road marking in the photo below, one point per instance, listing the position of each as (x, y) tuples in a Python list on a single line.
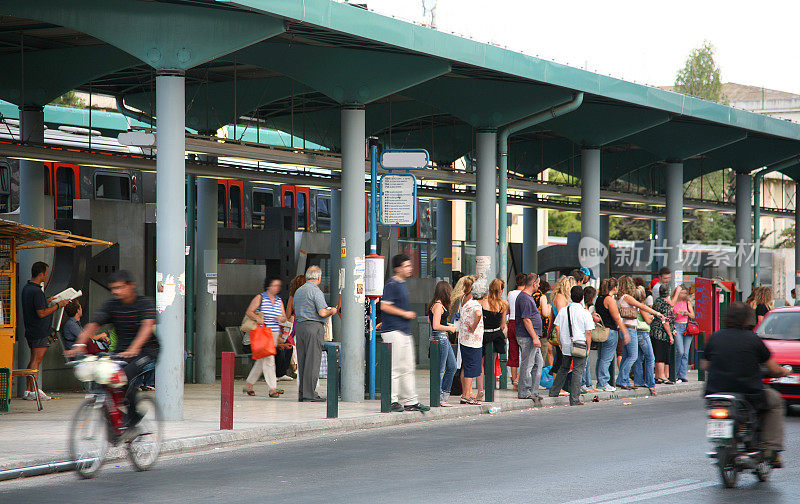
[(647, 492)]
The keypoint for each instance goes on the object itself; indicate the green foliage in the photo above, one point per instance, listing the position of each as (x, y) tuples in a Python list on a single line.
[(700, 75), (628, 228), (69, 99), (560, 223), (786, 238), (710, 227)]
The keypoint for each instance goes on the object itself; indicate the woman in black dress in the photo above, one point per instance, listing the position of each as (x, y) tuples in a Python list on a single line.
[(495, 317)]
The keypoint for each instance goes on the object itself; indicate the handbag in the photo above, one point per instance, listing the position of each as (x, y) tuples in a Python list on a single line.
[(579, 348), (627, 312), (692, 329), (600, 333), (553, 338), (262, 343), (249, 324)]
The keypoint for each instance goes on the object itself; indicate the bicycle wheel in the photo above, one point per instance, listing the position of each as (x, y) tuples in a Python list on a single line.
[(143, 450), (88, 441)]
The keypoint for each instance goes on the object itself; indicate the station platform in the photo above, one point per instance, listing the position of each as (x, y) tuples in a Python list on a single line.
[(31, 437)]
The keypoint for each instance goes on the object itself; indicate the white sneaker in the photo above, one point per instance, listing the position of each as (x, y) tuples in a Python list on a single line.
[(43, 396), (584, 389), (609, 388), (285, 378), (29, 396)]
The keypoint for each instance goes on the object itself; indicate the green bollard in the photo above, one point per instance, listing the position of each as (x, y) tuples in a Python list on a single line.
[(333, 380), (386, 377), (436, 374), (503, 371), (701, 348), (488, 372)]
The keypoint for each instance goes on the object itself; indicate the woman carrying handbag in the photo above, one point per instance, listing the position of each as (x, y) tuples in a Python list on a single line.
[(271, 306)]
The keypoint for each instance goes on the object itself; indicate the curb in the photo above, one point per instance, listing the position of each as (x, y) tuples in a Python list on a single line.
[(336, 426)]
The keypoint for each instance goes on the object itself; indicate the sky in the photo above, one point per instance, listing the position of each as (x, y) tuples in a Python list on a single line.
[(646, 41)]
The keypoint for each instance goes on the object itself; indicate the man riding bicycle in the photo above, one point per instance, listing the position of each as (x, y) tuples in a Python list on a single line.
[(133, 317)]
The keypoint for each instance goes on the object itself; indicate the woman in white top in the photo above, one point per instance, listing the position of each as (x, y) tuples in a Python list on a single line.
[(630, 352), (470, 339), (513, 347)]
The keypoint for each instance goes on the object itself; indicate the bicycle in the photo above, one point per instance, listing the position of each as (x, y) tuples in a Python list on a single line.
[(98, 423)]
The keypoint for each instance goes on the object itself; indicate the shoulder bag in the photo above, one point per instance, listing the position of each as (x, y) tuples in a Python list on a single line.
[(579, 348), (249, 324), (600, 333), (627, 312)]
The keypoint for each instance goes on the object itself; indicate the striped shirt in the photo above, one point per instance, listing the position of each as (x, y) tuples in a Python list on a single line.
[(271, 313)]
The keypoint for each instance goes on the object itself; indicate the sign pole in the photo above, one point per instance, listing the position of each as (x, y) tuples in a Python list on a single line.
[(373, 250)]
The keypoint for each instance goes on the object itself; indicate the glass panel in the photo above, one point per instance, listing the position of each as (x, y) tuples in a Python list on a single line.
[(288, 200), (65, 191), (261, 201), (301, 211), (222, 204), (110, 186), (236, 206), (323, 213)]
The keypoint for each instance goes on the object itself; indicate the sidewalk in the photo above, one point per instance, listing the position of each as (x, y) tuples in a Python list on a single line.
[(31, 438)]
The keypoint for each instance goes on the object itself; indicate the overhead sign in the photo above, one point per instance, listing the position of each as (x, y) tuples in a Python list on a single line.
[(398, 198), (405, 159)]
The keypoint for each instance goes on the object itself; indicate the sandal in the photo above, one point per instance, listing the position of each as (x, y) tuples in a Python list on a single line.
[(652, 391), (274, 393), (445, 404), (248, 391), (481, 395)]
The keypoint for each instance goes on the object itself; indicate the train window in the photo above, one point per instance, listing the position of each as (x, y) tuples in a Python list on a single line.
[(262, 199), (236, 206), (323, 213), (302, 211), (5, 189), (288, 199), (222, 204), (112, 186), (65, 191)]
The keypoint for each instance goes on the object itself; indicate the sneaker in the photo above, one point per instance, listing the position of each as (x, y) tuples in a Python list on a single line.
[(29, 396), (417, 407), (609, 388), (397, 407), (130, 434), (43, 396), (681, 380), (584, 389), (285, 378)]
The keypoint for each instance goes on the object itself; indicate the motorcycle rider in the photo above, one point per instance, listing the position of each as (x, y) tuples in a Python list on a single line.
[(733, 357)]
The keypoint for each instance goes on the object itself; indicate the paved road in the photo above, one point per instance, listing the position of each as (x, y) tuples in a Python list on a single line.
[(651, 450)]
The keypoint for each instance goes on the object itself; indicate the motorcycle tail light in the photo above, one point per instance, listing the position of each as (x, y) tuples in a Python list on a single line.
[(719, 413)]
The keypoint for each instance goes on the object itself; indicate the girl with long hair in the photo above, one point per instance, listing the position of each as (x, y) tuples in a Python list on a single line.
[(684, 310), (764, 302), (629, 309), (495, 315), (438, 315)]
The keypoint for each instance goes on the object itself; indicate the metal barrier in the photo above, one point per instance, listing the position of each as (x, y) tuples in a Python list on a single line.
[(488, 372), (672, 360), (503, 371), (386, 377), (226, 392), (701, 348), (436, 372), (333, 380)]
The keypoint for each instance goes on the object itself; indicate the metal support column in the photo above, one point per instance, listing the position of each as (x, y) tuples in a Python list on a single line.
[(530, 241), (170, 243), (502, 221), (486, 200), (31, 212), (674, 211), (605, 227), (335, 260), (191, 217), (744, 235), (353, 225), (206, 278), (444, 237), (590, 207)]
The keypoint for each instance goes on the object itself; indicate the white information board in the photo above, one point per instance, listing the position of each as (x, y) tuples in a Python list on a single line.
[(398, 200)]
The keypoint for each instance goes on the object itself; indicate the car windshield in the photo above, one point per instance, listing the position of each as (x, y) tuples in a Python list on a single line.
[(780, 326)]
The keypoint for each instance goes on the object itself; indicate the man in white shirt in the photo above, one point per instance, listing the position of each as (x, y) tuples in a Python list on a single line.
[(664, 278), (574, 324)]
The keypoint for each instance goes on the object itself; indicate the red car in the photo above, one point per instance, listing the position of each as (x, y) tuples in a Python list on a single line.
[(780, 331)]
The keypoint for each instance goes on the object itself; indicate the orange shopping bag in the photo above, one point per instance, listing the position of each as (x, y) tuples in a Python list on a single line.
[(262, 343)]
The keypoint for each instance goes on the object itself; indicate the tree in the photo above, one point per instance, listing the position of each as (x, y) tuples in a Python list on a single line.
[(69, 99), (628, 228), (700, 75), (559, 222)]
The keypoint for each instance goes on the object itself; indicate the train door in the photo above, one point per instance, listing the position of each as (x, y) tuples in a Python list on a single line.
[(297, 197), (230, 203), (63, 182), (262, 199)]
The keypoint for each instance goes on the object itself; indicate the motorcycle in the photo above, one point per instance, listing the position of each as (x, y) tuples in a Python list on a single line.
[(733, 428)]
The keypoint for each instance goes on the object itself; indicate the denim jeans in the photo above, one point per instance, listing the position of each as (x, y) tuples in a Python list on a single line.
[(644, 369), (605, 356), (586, 379), (530, 368), (630, 353), (683, 345), (447, 363)]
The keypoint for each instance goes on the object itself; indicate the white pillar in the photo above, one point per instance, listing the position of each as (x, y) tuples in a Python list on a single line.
[(486, 200), (530, 241), (444, 237), (590, 207), (170, 242), (206, 271), (353, 225)]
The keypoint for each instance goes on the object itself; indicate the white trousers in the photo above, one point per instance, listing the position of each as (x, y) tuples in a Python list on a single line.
[(265, 365), (404, 389)]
